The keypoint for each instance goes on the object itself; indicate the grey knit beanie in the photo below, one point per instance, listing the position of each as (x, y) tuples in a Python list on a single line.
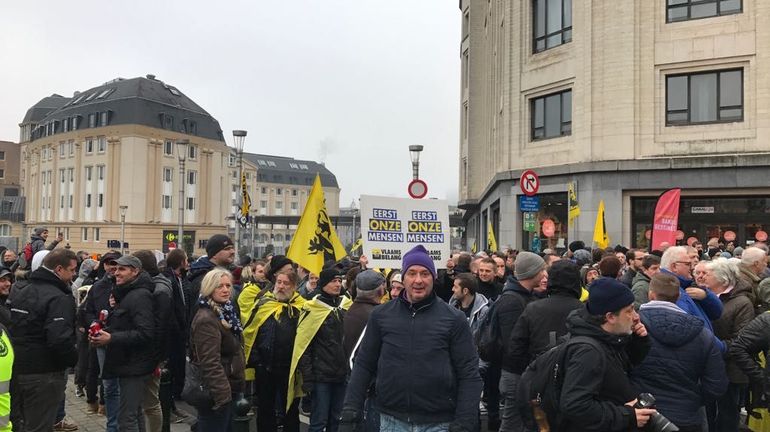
[(527, 265)]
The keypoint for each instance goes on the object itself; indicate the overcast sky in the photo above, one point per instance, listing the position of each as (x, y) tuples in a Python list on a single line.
[(349, 83)]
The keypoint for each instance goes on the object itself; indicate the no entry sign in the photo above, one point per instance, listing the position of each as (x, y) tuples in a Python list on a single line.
[(417, 189), (529, 183)]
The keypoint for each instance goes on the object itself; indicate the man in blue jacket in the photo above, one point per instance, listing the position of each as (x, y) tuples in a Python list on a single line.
[(694, 300), (684, 367), (421, 353)]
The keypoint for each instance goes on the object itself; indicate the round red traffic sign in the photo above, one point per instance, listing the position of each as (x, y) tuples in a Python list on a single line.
[(529, 183), (417, 189)]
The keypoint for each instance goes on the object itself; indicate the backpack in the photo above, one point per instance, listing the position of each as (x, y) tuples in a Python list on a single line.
[(25, 257), (488, 337), (542, 382)]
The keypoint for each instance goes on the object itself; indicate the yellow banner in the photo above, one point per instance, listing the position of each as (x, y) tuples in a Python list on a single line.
[(601, 237)]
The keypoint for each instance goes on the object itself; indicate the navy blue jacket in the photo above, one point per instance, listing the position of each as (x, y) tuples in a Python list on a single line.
[(684, 366), (425, 362)]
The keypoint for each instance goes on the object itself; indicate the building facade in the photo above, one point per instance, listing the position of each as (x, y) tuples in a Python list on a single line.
[(11, 201), (624, 100)]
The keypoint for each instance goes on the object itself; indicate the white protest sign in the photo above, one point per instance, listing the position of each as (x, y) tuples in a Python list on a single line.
[(392, 226)]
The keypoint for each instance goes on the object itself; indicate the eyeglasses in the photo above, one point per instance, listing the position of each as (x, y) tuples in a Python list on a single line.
[(689, 263)]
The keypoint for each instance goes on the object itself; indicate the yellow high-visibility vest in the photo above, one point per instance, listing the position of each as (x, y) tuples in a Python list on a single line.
[(6, 366)]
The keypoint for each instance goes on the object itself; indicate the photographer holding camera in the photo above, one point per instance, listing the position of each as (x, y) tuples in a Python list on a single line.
[(596, 393)]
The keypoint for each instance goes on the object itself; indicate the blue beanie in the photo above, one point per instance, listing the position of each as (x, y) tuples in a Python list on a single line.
[(608, 295), (418, 255)]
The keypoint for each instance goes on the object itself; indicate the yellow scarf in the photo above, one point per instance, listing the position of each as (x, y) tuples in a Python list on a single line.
[(266, 307), (313, 314)]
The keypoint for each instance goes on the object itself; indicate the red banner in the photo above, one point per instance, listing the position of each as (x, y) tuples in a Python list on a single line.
[(666, 219)]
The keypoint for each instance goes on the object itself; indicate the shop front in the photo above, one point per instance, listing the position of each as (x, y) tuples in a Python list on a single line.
[(544, 226)]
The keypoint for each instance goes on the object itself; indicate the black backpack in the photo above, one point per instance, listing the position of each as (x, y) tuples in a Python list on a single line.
[(488, 338), (541, 382)]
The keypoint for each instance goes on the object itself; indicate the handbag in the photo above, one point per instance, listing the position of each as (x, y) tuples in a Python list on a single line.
[(195, 392)]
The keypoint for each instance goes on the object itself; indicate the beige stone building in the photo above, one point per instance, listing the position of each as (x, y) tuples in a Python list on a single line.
[(625, 99)]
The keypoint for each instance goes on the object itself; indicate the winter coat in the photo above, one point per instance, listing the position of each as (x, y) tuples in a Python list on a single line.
[(324, 359), (745, 349), (132, 350), (543, 322), (596, 386), (179, 301), (479, 310), (275, 341), (217, 352), (628, 277), (198, 270), (508, 308), (490, 290), (38, 244), (98, 298), (684, 367), (708, 309), (640, 286), (355, 322), (737, 313), (164, 315), (424, 361), (42, 325)]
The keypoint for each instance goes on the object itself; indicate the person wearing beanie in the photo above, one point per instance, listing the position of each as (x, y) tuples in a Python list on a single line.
[(276, 265), (220, 252), (529, 275), (574, 247), (596, 392), (422, 338), (319, 362)]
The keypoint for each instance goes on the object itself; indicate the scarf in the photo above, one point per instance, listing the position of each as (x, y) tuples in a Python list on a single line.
[(226, 312)]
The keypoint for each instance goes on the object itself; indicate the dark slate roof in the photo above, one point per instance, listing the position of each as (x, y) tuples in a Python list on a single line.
[(279, 169), (41, 109), (142, 101)]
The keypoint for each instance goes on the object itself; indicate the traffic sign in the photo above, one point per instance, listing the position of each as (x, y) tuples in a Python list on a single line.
[(529, 183), (417, 189), (529, 204)]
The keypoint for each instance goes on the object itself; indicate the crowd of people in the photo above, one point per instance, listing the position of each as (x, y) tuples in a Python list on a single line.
[(629, 339)]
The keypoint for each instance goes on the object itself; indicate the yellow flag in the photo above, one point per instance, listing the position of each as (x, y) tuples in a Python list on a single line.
[(574, 206), (243, 214), (601, 238), (315, 240), (473, 248), (491, 241), (357, 245)]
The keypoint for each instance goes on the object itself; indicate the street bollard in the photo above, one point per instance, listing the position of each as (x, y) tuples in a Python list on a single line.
[(242, 419)]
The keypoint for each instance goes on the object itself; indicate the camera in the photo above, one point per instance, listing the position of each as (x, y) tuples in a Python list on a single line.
[(658, 422)]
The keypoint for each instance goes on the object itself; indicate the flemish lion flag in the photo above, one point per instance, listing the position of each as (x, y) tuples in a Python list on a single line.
[(315, 240), (357, 245), (574, 206), (601, 238), (243, 214), (491, 241)]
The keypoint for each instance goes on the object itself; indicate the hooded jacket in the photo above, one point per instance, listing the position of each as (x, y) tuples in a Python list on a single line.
[(198, 270), (42, 325), (479, 309), (596, 386), (543, 322), (684, 367), (132, 350), (508, 308), (38, 244), (737, 313)]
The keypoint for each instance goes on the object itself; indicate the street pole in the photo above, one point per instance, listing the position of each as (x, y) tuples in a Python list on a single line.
[(181, 146), (122, 228)]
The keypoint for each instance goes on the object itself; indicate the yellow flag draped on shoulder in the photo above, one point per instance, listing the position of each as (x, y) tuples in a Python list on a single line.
[(313, 314), (315, 240), (601, 237), (491, 241)]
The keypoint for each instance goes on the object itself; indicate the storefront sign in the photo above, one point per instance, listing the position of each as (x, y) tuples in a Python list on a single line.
[(761, 236), (729, 235), (549, 228), (529, 204), (530, 222), (170, 240), (702, 210)]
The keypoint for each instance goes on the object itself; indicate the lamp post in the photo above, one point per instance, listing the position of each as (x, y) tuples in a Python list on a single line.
[(414, 153), (181, 150), (123, 210), (239, 136)]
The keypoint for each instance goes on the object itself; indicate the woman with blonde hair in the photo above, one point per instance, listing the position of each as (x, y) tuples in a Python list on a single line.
[(215, 346)]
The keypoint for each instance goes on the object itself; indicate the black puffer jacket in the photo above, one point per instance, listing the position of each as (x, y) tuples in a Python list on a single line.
[(744, 351), (132, 350), (324, 359), (508, 308), (98, 298), (42, 325), (424, 360), (545, 321), (596, 386)]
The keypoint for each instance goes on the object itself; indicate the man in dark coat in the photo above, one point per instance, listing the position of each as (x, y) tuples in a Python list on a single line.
[(429, 343), (176, 266), (596, 393), (220, 252), (634, 259), (684, 367), (487, 279), (43, 334), (131, 355)]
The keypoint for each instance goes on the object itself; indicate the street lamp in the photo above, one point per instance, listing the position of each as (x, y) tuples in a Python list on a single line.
[(239, 136), (414, 153), (123, 210), (181, 150)]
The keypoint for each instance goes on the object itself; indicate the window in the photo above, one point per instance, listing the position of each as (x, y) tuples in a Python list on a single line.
[(293, 165), (61, 201), (263, 190), (2, 155), (279, 205), (683, 10), (278, 191), (89, 171), (192, 152), (75, 121), (190, 203), (303, 166), (88, 200), (167, 201), (192, 177), (71, 201), (708, 97), (294, 192), (61, 175), (168, 148), (294, 206), (65, 123), (168, 121), (5, 230), (100, 200), (92, 120), (104, 117), (84, 232), (101, 144), (551, 23), (89, 145), (62, 149), (167, 174), (261, 162), (71, 172), (71, 146), (104, 93), (552, 115), (231, 160), (2, 173), (100, 172), (192, 128), (263, 204), (97, 234), (270, 163)]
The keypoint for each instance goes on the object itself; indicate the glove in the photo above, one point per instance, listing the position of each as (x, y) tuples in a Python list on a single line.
[(350, 420), (457, 427)]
